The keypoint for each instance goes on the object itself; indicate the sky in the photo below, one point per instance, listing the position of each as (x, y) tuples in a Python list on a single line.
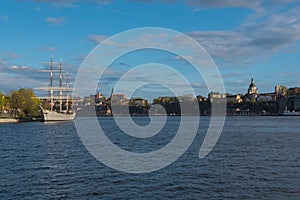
[(245, 39)]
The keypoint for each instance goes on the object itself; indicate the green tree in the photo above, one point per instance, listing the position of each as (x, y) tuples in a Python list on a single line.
[(253, 101), (24, 103), (283, 90), (16, 101), (2, 101), (45, 105), (31, 106), (138, 101)]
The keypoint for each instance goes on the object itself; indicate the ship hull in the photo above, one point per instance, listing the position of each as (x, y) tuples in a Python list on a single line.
[(55, 116)]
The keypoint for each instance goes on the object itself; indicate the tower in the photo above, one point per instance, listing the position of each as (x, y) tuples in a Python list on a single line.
[(252, 90)]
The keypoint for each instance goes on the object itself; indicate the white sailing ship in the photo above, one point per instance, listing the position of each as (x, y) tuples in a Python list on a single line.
[(60, 106)]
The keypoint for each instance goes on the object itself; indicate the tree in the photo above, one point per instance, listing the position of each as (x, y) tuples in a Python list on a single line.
[(283, 90), (156, 101), (2, 101), (139, 102), (17, 101), (253, 101), (24, 103)]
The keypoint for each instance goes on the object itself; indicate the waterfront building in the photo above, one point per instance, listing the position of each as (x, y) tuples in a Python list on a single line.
[(294, 103), (282, 103), (118, 99), (234, 98), (266, 97), (201, 98), (293, 91), (99, 97), (215, 96)]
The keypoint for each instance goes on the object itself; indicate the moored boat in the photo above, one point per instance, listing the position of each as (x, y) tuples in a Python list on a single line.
[(48, 115), (288, 113), (60, 106)]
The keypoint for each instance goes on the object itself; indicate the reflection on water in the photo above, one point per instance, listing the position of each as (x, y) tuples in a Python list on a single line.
[(255, 157)]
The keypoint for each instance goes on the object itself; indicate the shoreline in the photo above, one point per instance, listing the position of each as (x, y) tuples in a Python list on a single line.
[(8, 120), (22, 120), (16, 120)]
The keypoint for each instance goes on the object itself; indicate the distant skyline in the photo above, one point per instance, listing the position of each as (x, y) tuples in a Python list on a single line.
[(246, 39)]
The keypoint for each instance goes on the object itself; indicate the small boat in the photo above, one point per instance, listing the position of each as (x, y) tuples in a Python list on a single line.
[(60, 109), (288, 113)]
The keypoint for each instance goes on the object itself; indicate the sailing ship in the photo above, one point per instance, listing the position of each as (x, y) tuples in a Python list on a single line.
[(60, 106)]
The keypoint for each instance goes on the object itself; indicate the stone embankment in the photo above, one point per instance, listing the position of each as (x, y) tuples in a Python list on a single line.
[(8, 120)]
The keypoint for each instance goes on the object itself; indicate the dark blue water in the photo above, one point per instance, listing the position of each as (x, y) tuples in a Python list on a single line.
[(255, 158)]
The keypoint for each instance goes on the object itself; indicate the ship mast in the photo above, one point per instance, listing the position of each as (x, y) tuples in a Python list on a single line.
[(67, 92), (60, 86), (51, 84)]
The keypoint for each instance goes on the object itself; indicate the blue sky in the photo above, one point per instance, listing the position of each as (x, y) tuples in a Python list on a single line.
[(246, 39)]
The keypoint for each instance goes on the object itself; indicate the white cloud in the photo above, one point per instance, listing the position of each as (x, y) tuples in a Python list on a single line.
[(55, 20), (49, 49), (256, 39), (18, 67), (288, 75), (9, 55), (97, 38), (71, 3), (60, 3), (4, 18), (258, 36), (12, 84), (254, 4), (2, 62), (17, 76), (14, 67)]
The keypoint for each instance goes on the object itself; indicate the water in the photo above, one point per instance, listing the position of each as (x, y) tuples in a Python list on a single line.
[(255, 158)]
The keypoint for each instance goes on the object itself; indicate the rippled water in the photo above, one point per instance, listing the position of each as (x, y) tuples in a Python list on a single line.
[(255, 157)]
